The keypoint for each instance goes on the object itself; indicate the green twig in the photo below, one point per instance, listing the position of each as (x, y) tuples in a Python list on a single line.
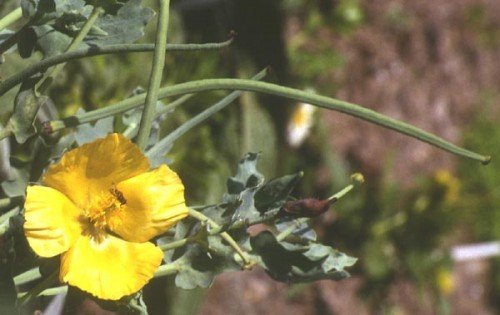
[(198, 119), (4, 220), (27, 276), (301, 96), (39, 288), (44, 64), (48, 292), (231, 242), (131, 130), (176, 244), (148, 114), (289, 230), (165, 270), (11, 18), (51, 75), (8, 203)]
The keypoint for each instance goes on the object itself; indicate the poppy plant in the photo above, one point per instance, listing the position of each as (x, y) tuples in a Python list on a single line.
[(100, 206)]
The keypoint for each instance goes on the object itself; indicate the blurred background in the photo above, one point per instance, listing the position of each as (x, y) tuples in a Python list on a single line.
[(433, 64)]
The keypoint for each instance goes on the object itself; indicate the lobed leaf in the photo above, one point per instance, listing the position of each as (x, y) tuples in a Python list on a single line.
[(289, 262)]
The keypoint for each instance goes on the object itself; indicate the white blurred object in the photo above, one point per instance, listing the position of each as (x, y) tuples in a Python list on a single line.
[(300, 123), (56, 305), (475, 251)]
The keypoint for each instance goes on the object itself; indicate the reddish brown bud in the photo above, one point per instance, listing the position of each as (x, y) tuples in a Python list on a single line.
[(308, 207)]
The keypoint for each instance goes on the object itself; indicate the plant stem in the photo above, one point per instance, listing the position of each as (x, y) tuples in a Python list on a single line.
[(148, 114), (356, 178), (44, 64), (27, 276), (202, 218), (165, 270), (10, 18), (166, 142), (284, 234), (4, 220), (51, 75), (39, 288), (176, 244), (301, 96), (131, 130), (48, 292), (7, 203)]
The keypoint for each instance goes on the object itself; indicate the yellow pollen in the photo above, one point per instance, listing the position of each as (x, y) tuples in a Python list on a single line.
[(104, 210)]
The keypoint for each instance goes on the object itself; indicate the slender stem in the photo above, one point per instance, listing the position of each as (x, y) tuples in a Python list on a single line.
[(44, 64), (131, 130), (48, 292), (165, 270), (39, 288), (4, 220), (268, 216), (284, 234), (50, 76), (176, 244), (198, 119), (314, 99), (10, 18), (202, 218), (148, 114), (7, 203), (27, 276), (357, 180)]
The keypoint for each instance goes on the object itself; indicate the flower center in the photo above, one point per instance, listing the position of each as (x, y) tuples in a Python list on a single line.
[(103, 211)]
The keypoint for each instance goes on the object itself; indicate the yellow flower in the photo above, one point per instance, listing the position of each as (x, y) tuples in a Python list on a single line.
[(99, 209)]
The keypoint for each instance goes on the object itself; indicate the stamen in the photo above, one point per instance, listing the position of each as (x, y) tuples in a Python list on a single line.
[(103, 212)]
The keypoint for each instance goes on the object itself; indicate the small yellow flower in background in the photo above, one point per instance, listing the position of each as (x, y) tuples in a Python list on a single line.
[(100, 207), (300, 123), (445, 281), (451, 185)]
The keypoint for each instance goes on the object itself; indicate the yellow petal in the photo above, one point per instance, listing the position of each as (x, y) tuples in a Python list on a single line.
[(110, 269), (154, 202), (52, 221), (94, 167)]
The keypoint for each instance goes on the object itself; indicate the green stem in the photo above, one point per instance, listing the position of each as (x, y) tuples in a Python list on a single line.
[(148, 114), (48, 292), (4, 220), (356, 178), (39, 288), (165, 270), (166, 142), (131, 130), (285, 233), (301, 96), (231, 242), (10, 18), (8, 203), (44, 64), (27, 276), (176, 244), (51, 75)]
